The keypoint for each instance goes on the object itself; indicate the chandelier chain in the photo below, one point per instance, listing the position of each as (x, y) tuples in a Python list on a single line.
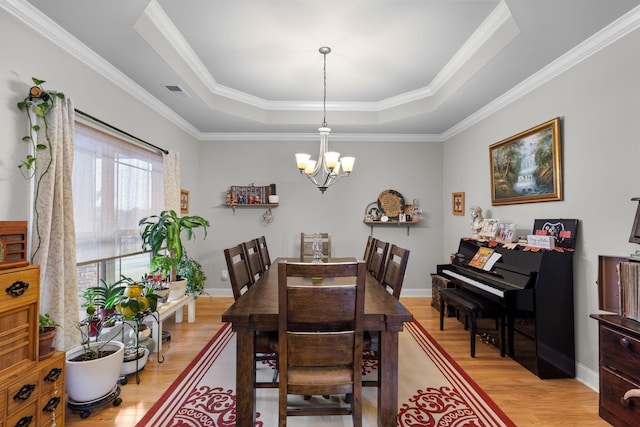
[(324, 99)]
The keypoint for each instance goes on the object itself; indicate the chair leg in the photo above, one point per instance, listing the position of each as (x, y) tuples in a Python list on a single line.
[(442, 308)]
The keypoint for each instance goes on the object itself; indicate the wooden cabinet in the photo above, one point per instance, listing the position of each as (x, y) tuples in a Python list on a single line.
[(619, 371), (19, 295), (31, 392)]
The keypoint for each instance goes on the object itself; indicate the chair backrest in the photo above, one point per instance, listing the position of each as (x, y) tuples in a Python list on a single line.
[(368, 249), (378, 258), (306, 245), (320, 325), (239, 274), (256, 269), (264, 252), (395, 268)]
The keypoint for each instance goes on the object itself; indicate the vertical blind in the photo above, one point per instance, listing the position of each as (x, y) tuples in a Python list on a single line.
[(115, 184)]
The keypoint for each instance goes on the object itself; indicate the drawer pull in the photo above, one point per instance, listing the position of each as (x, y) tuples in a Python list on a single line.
[(626, 400), (25, 392), (18, 288), (53, 375), (624, 342), (52, 404), (24, 421)]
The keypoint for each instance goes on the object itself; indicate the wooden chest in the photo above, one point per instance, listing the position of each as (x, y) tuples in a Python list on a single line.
[(619, 369), (437, 283), (36, 397), (31, 391), (19, 296)]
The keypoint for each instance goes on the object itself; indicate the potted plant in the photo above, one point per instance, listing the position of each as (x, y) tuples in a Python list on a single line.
[(164, 232), (191, 270), (90, 304), (37, 106), (47, 332), (101, 294), (135, 299), (92, 369)]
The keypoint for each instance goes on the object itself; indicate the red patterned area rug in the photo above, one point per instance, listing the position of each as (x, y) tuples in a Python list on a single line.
[(433, 391)]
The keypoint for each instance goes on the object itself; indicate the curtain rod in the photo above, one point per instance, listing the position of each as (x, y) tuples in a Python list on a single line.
[(82, 113)]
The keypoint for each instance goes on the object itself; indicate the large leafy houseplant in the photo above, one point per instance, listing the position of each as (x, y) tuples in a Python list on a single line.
[(37, 105), (164, 231)]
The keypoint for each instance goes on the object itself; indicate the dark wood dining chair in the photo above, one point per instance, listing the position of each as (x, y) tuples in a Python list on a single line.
[(264, 252), (394, 270), (378, 258), (256, 269), (240, 278), (238, 267), (320, 337), (368, 250), (306, 245), (392, 280)]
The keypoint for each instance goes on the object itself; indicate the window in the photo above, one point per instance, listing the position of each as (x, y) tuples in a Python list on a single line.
[(115, 183)]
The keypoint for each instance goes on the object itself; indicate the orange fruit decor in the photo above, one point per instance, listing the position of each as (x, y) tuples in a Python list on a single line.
[(133, 291)]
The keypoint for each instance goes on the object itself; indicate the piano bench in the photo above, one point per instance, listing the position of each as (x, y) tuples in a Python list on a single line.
[(474, 307)]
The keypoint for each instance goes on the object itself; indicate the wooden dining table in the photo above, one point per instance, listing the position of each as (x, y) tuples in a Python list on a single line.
[(257, 310)]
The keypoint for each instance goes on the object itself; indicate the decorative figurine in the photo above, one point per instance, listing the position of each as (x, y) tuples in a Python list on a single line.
[(476, 220)]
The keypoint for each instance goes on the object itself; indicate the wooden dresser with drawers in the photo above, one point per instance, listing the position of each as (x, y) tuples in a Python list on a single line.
[(32, 392)]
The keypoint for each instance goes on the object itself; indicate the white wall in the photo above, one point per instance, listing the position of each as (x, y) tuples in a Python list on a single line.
[(413, 169), (599, 103), (26, 54)]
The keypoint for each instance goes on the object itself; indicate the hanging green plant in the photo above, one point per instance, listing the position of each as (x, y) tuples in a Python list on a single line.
[(40, 101)]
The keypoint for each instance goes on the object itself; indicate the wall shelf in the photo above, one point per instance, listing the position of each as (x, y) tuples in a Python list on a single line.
[(254, 205), (408, 224)]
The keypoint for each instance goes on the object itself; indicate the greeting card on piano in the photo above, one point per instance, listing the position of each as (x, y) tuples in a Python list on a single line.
[(485, 258)]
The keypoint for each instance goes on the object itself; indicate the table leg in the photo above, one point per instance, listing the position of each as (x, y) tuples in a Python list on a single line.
[(245, 374), (388, 385)]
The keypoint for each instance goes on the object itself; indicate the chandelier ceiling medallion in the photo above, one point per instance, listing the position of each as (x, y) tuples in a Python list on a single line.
[(325, 171)]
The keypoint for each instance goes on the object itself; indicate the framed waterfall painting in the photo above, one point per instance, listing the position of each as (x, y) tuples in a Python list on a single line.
[(527, 167)]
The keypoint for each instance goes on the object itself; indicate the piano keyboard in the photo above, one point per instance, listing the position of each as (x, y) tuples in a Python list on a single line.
[(475, 283)]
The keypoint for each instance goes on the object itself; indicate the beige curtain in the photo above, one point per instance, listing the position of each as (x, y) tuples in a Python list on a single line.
[(171, 167), (53, 245)]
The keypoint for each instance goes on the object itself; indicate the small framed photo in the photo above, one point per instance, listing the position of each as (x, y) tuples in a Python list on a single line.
[(457, 203), (489, 229), (507, 233), (184, 201)]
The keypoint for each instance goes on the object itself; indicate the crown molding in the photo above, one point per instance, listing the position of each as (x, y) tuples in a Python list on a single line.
[(41, 24)]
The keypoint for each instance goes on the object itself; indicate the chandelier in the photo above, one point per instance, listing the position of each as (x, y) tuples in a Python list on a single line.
[(325, 171)]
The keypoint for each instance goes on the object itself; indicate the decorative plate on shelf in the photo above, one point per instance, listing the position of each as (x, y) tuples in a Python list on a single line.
[(391, 203)]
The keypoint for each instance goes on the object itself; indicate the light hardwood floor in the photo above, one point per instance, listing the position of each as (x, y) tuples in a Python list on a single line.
[(526, 399)]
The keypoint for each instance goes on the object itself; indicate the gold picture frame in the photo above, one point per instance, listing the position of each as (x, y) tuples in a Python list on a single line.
[(527, 167), (184, 201), (457, 203)]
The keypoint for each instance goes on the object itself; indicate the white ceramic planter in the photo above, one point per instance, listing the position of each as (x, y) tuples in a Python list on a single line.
[(93, 379), (130, 367), (177, 290)]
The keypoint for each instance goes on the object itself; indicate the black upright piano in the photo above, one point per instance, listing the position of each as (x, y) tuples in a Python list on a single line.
[(535, 286)]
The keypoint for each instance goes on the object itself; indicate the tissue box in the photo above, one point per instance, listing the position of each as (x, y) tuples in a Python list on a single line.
[(13, 244)]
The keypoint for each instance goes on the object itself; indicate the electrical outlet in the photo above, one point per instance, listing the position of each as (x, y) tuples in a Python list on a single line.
[(225, 275)]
